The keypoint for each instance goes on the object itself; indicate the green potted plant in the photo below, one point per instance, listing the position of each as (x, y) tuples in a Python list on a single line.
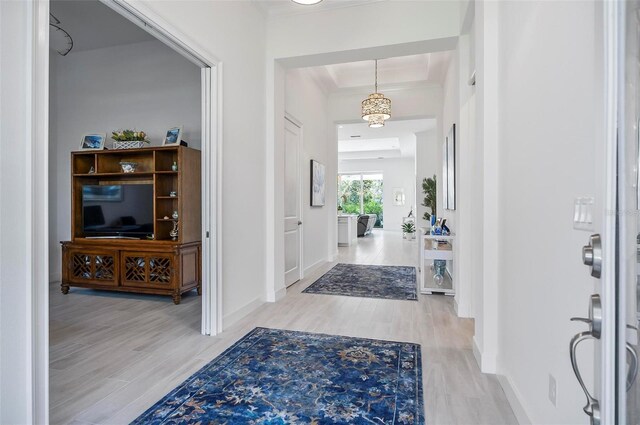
[(429, 190), (409, 228), (129, 139)]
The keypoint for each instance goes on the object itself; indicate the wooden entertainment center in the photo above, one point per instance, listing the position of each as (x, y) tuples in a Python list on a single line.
[(163, 263)]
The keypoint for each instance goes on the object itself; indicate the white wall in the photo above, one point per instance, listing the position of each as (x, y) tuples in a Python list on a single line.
[(450, 116), (427, 165), (307, 103), (17, 282), (551, 150), (103, 90), (397, 173), (24, 289)]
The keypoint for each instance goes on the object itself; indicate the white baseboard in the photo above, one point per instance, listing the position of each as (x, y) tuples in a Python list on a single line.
[(313, 267), (333, 256), (280, 293), (514, 398), (455, 306), (477, 353), (55, 277), (231, 318)]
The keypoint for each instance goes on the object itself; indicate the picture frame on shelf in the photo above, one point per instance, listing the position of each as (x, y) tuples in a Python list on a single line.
[(173, 136), (93, 141), (317, 184)]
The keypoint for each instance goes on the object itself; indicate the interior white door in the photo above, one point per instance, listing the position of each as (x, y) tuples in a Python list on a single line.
[(292, 216)]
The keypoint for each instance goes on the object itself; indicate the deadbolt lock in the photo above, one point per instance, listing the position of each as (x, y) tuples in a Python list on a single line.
[(592, 255)]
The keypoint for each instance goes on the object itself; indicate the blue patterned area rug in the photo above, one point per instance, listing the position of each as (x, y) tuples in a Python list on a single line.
[(273, 376), (360, 280)]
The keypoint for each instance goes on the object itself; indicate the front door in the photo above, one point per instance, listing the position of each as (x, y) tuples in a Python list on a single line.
[(614, 254), (292, 220), (627, 390)]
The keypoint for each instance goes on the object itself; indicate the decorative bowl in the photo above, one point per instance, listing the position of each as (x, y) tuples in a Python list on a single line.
[(128, 167)]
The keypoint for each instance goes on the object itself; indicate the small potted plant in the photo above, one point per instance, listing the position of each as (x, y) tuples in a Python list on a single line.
[(409, 228), (129, 139)]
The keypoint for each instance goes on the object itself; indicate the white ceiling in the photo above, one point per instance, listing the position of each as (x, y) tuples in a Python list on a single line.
[(365, 145), (426, 68), (272, 8), (93, 25), (395, 140)]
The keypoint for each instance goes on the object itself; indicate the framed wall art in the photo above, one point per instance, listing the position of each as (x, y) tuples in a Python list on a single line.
[(317, 184)]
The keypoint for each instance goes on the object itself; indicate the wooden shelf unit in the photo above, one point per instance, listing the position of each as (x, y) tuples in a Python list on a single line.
[(161, 265)]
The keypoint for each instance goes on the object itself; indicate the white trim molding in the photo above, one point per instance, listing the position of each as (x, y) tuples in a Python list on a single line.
[(313, 267), (515, 400), (243, 311)]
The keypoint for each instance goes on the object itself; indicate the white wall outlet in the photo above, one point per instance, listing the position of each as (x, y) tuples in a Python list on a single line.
[(583, 213), (553, 390)]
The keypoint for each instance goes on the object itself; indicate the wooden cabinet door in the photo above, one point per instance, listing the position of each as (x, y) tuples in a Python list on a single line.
[(148, 269), (92, 266)]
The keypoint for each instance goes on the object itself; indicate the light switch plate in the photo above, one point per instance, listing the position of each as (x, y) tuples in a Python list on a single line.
[(583, 213), (553, 390)]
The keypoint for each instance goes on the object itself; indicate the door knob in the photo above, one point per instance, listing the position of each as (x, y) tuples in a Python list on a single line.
[(592, 408), (299, 223), (592, 255), (633, 367)]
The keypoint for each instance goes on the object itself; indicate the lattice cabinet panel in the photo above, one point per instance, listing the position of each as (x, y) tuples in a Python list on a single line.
[(96, 267), (147, 269), (104, 267), (135, 269), (81, 266), (160, 270)]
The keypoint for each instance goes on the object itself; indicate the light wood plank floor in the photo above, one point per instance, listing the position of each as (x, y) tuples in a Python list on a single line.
[(114, 355)]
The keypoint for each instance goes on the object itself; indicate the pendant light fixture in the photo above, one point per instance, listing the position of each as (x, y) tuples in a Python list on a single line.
[(376, 108)]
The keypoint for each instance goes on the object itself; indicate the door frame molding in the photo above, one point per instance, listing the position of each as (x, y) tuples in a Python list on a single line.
[(37, 139), (293, 120), (613, 16)]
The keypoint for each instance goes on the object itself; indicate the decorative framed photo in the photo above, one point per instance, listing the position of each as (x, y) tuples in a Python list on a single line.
[(445, 174), (93, 141), (317, 184), (451, 168), (398, 196), (173, 136)]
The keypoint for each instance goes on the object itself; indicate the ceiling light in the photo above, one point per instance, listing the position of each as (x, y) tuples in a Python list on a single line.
[(376, 108), (306, 2)]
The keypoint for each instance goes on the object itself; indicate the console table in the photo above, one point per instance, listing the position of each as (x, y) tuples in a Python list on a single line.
[(435, 248)]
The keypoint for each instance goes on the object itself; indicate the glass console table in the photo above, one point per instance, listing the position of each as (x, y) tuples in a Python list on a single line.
[(436, 263)]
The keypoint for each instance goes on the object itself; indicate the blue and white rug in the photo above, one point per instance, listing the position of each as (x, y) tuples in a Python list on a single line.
[(360, 280), (273, 376)]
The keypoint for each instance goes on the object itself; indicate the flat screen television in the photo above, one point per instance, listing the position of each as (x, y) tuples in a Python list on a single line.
[(124, 210)]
